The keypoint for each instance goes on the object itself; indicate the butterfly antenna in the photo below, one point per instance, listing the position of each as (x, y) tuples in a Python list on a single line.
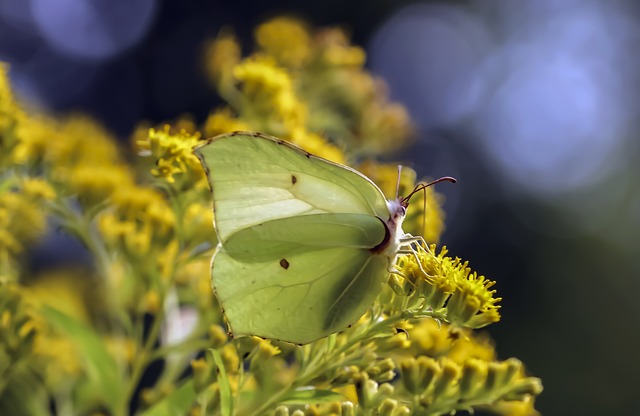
[(419, 187), (424, 210)]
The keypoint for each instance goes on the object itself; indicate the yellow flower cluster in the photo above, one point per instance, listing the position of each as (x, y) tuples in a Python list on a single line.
[(286, 39), (17, 330), (173, 156), (139, 221), (10, 116), (304, 87), (440, 384), (22, 216), (446, 286)]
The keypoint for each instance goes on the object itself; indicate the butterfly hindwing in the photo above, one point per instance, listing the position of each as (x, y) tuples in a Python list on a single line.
[(301, 297)]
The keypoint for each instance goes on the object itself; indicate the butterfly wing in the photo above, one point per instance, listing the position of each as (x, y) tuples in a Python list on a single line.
[(255, 178), (298, 234), (300, 279)]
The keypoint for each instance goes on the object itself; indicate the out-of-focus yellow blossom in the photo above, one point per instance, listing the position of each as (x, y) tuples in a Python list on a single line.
[(223, 121), (469, 345), (269, 98), (139, 221), (221, 55), (286, 39), (22, 221), (95, 184), (64, 290), (196, 275), (17, 329), (428, 337), (151, 302), (315, 144), (197, 223), (62, 144), (384, 126), (11, 115), (37, 189), (58, 359), (122, 349), (173, 156), (514, 408), (336, 49)]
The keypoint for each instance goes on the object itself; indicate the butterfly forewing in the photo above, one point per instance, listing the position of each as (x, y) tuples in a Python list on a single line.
[(255, 178)]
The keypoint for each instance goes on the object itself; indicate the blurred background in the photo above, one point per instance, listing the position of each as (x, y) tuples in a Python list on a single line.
[(533, 105)]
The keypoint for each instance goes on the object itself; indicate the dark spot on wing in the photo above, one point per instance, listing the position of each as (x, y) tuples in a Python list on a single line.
[(284, 264), (293, 179)]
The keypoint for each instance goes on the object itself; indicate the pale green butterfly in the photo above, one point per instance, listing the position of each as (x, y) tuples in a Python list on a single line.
[(305, 244)]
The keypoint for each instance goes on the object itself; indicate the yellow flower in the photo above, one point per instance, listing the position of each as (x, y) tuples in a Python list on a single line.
[(223, 121), (286, 39), (123, 349), (38, 189), (336, 50), (198, 224), (384, 126), (59, 360), (221, 55), (95, 184), (76, 139), (139, 221), (22, 221), (449, 287), (11, 116), (315, 144), (17, 326), (269, 98), (472, 303), (173, 155)]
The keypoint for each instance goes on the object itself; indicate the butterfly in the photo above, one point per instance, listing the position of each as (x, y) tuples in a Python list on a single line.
[(305, 244)]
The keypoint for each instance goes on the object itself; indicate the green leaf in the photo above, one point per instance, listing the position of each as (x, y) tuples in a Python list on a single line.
[(177, 403), (309, 395), (226, 398), (104, 380)]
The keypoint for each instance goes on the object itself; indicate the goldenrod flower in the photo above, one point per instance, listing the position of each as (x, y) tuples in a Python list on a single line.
[(22, 221), (173, 155), (75, 140), (59, 360), (197, 222), (10, 116), (269, 91), (94, 184), (337, 51), (315, 144), (286, 39), (17, 327), (221, 55), (37, 189), (449, 287), (139, 220), (223, 121)]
